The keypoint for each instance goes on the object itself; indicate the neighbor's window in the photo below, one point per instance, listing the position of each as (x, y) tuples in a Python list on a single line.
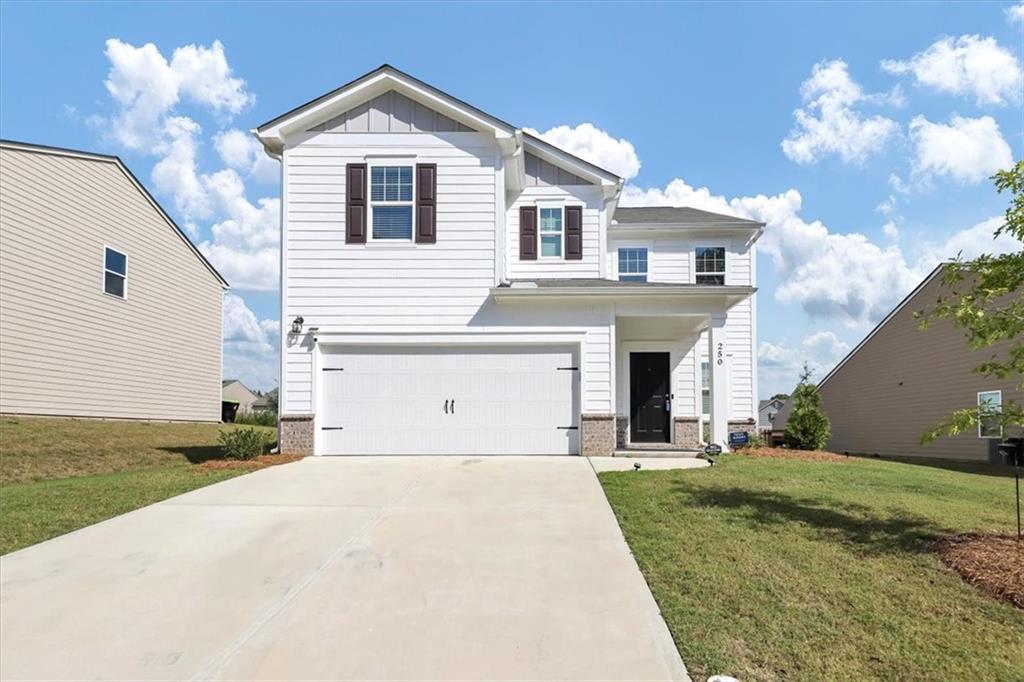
[(990, 406), (710, 265), (551, 232), (633, 265), (705, 388), (115, 273), (391, 201)]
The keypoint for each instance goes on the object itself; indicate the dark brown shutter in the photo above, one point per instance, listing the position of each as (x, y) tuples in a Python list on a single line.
[(527, 233), (573, 233), (426, 203), (355, 203)]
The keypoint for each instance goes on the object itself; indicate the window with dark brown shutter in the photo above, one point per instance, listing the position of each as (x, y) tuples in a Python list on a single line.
[(573, 233), (527, 233), (426, 203), (355, 203)]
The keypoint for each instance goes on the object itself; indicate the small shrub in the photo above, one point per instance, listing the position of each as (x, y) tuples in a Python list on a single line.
[(808, 428), (261, 418), (244, 443), (756, 441)]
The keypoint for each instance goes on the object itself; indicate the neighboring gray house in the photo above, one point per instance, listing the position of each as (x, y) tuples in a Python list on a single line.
[(233, 390), (106, 308), (900, 381), (266, 402), (766, 412)]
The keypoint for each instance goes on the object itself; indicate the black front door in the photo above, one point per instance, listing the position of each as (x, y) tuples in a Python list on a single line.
[(649, 407)]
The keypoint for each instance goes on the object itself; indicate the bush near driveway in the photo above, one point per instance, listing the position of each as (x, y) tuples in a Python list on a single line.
[(57, 475), (245, 443), (771, 569)]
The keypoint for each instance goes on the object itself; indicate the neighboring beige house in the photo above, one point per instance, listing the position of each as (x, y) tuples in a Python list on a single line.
[(233, 390), (267, 402), (900, 381), (106, 308)]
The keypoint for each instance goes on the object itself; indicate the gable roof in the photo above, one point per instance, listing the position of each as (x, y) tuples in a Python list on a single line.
[(677, 216), (109, 158), (761, 404), (885, 320), (386, 77)]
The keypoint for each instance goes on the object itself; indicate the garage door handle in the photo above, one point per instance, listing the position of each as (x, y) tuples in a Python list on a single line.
[(453, 405), (446, 407)]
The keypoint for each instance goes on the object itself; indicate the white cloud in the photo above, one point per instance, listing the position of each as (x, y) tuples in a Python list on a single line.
[(828, 123), (891, 231), (596, 146), (968, 150), (969, 243), (1015, 14), (779, 364), (242, 151), (968, 65), (250, 345), (175, 173), (146, 87), (205, 77)]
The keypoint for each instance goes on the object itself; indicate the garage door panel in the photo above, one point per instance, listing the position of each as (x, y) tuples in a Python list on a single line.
[(507, 400)]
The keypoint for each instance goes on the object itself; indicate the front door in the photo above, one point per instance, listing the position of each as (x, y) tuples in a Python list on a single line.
[(649, 406)]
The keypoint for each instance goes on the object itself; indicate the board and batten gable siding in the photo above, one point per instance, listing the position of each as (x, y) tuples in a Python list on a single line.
[(402, 287), (902, 381), (592, 201), (391, 112), (69, 349)]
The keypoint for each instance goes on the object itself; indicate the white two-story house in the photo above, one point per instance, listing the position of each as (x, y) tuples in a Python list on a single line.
[(453, 285)]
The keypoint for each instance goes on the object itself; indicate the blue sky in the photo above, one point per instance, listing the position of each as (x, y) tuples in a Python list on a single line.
[(907, 108)]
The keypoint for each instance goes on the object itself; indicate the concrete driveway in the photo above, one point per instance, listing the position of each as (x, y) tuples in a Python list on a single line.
[(443, 568)]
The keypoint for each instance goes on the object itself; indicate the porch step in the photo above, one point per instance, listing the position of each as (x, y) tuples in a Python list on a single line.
[(656, 452)]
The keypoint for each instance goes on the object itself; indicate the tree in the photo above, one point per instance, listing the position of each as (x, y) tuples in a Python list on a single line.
[(780, 396), (808, 428), (986, 301)]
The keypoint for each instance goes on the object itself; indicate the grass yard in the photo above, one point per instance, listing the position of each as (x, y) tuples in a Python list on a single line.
[(769, 569), (58, 475)]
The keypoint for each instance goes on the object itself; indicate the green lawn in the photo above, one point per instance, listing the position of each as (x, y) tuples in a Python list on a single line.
[(772, 569), (58, 475)]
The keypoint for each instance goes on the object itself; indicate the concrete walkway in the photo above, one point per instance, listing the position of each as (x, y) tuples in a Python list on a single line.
[(450, 568)]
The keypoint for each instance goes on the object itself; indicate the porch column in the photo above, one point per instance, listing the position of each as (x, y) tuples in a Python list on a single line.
[(719, 373)]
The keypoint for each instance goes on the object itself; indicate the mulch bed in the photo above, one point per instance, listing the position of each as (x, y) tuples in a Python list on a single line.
[(992, 563), (787, 453), (261, 462)]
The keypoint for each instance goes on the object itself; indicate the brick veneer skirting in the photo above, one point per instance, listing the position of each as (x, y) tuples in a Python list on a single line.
[(296, 434), (747, 425), (686, 432), (597, 435), (621, 429)]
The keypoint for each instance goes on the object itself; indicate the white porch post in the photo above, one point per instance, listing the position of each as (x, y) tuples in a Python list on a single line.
[(719, 369)]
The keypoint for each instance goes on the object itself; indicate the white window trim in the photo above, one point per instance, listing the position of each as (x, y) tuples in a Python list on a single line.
[(541, 205), (710, 244), (372, 163), (700, 384), (104, 271), (981, 393), (638, 245)]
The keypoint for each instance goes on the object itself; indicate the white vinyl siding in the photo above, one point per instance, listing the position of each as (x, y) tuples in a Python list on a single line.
[(400, 287), (68, 348)]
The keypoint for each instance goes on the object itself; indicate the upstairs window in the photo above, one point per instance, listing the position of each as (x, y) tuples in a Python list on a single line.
[(115, 273), (391, 202), (551, 233), (710, 265), (633, 265), (990, 406)]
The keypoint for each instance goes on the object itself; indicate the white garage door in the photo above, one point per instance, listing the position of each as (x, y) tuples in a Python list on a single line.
[(486, 400)]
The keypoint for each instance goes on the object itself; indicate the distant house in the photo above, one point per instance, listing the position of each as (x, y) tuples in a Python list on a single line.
[(233, 390), (266, 402), (900, 381), (766, 411), (107, 309)]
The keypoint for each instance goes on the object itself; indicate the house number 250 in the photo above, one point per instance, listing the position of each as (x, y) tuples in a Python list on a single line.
[(720, 354)]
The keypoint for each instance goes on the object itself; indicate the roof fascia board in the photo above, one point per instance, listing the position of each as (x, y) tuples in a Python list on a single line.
[(107, 158), (885, 320), (731, 296)]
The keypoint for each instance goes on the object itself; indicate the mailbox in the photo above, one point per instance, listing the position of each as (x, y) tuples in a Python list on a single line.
[(1012, 451)]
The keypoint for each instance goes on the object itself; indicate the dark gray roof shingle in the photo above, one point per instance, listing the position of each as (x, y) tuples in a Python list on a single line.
[(674, 215)]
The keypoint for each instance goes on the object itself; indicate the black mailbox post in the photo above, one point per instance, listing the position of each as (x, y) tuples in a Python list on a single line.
[(1012, 450)]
